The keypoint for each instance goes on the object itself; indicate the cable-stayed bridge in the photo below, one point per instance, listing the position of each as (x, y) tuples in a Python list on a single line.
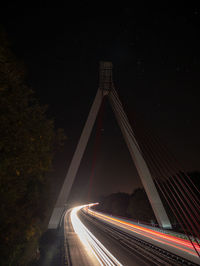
[(162, 180)]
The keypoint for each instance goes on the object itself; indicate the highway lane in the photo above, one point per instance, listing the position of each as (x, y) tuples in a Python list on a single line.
[(125, 254), (90, 241), (175, 245), (76, 253), (96, 247)]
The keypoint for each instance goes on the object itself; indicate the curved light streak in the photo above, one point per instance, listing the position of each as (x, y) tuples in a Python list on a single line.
[(91, 242), (175, 242)]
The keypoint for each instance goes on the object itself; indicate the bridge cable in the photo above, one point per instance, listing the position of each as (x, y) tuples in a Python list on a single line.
[(175, 209), (120, 111), (167, 176)]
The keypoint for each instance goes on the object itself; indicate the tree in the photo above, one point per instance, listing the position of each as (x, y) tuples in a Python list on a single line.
[(115, 204), (139, 207), (27, 140)]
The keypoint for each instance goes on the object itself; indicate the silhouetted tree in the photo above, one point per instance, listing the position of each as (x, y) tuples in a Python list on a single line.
[(27, 139), (139, 207), (115, 204)]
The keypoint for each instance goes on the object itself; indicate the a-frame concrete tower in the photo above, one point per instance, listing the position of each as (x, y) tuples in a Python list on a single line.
[(106, 89)]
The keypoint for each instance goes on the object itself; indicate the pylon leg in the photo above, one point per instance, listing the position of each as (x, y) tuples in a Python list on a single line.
[(69, 179), (140, 163)]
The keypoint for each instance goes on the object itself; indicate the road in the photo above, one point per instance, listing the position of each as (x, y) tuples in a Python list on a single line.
[(76, 252), (97, 241)]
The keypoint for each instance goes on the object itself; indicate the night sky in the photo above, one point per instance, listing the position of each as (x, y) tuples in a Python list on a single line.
[(156, 58)]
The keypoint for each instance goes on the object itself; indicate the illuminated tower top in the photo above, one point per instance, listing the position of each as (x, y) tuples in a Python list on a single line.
[(105, 76)]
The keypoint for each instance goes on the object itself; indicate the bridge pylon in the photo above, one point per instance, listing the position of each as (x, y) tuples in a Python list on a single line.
[(106, 89)]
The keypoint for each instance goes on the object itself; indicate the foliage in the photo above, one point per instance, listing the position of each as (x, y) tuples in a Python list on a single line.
[(115, 204), (134, 206), (139, 207), (27, 140)]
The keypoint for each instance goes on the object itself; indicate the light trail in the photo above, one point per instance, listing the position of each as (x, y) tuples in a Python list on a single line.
[(143, 230), (171, 243), (91, 243)]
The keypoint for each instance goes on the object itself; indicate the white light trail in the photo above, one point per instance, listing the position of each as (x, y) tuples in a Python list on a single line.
[(91, 242)]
